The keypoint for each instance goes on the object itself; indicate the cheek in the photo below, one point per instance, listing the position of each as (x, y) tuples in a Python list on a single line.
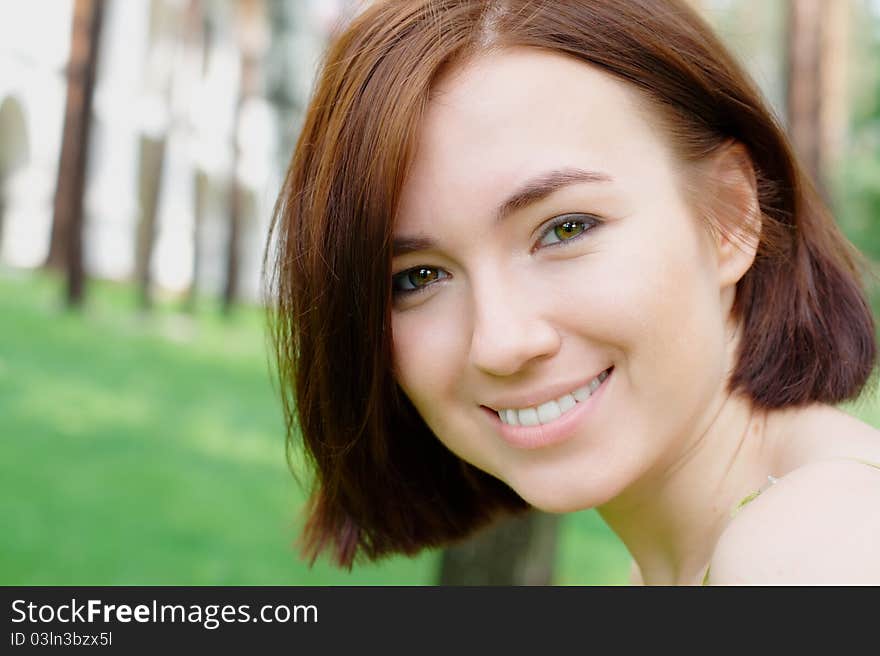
[(666, 313), (428, 352)]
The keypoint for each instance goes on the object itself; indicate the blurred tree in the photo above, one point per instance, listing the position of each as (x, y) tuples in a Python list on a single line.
[(816, 97), (283, 72), (252, 37), (65, 244), (858, 175), (200, 196), (175, 32), (518, 550), (151, 159), (14, 148), (200, 36), (803, 80)]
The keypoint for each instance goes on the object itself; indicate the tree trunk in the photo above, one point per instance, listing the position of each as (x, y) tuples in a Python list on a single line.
[(230, 289), (252, 37), (519, 550), (236, 204), (199, 38), (807, 21), (152, 157), (835, 59), (200, 195), (65, 246), (2, 211)]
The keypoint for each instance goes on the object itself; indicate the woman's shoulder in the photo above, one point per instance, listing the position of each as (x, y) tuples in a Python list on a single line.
[(818, 524), (821, 432)]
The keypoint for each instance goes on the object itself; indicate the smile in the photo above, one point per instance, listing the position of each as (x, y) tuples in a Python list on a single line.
[(552, 410), (553, 422)]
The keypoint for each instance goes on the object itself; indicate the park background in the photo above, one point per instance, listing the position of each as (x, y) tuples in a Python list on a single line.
[(142, 145)]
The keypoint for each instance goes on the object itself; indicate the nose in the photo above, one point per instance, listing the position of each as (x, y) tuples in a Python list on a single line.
[(510, 331)]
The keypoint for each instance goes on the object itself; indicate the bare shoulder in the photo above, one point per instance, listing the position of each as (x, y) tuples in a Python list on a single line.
[(635, 574), (818, 525)]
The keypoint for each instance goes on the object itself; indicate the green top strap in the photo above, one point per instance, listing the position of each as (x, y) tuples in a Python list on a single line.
[(754, 495)]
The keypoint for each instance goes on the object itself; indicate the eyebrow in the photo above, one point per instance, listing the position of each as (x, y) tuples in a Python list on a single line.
[(532, 191)]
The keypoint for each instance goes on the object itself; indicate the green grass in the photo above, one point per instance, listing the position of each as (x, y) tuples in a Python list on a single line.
[(145, 450), (148, 450)]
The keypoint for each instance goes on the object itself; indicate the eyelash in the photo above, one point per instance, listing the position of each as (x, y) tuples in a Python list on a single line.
[(589, 222)]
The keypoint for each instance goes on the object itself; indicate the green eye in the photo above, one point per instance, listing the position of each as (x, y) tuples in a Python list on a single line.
[(567, 228), (422, 277), (416, 278)]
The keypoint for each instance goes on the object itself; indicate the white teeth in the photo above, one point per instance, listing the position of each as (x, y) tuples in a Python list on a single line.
[(549, 411), (582, 393), (528, 417), (567, 402), (552, 410)]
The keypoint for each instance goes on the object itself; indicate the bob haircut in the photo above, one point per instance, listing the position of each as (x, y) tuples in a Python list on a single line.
[(384, 483)]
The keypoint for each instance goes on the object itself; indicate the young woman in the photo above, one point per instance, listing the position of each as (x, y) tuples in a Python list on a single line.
[(560, 255)]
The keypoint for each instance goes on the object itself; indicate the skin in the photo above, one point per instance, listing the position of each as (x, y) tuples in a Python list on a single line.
[(509, 311)]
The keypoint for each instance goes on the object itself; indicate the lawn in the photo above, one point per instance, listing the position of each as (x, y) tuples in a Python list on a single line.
[(148, 450)]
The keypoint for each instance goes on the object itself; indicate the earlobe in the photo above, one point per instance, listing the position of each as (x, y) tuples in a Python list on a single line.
[(736, 211)]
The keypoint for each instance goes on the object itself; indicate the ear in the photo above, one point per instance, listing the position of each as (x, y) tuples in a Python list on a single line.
[(737, 213)]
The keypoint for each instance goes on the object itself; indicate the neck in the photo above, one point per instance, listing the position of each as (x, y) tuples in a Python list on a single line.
[(671, 519)]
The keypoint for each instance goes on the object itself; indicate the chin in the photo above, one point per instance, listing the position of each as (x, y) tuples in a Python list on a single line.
[(559, 499), (567, 484)]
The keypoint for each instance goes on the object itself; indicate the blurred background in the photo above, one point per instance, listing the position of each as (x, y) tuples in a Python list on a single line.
[(142, 146)]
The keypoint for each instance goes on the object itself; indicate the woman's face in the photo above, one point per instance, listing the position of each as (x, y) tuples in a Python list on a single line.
[(542, 240)]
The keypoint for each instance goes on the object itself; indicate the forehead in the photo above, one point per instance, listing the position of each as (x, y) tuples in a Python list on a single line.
[(502, 117)]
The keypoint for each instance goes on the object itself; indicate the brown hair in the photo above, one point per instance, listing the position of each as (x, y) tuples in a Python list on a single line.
[(384, 483)]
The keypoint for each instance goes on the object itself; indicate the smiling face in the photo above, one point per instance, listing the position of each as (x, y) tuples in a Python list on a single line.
[(542, 240)]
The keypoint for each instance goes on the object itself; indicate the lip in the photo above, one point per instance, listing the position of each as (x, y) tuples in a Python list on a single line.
[(547, 394), (557, 431)]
